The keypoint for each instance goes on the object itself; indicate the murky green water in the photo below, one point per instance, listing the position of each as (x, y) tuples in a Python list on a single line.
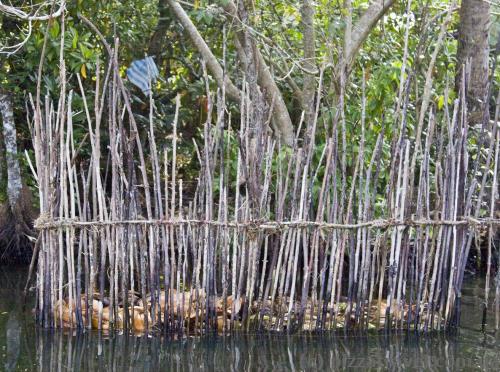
[(25, 348)]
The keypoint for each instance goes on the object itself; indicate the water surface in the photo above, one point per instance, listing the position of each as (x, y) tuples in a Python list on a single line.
[(23, 347)]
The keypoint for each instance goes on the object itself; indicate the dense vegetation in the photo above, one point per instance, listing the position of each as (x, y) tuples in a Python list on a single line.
[(295, 40)]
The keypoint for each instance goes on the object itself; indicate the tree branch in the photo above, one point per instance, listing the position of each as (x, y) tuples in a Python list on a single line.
[(364, 26), (297, 92), (33, 17), (266, 82), (18, 13), (213, 64)]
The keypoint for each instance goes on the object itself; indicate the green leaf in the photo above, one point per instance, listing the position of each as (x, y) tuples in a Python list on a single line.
[(86, 52), (55, 29), (75, 39)]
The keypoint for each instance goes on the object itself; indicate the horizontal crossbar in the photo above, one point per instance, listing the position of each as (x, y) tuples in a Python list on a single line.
[(48, 224)]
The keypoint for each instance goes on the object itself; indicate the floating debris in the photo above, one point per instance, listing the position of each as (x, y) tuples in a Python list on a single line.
[(187, 309), (185, 306)]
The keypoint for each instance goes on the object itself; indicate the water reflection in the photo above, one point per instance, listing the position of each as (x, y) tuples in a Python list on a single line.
[(13, 337), (26, 348), (91, 352)]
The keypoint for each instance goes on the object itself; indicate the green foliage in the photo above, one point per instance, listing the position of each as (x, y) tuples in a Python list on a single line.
[(139, 24)]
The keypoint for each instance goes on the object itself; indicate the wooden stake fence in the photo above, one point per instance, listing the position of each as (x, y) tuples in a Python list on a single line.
[(271, 238)]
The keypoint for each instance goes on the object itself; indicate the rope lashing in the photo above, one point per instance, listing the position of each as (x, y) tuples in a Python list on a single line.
[(46, 223)]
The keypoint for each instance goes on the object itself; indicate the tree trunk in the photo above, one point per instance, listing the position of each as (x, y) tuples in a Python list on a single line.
[(265, 80), (3, 168), (364, 26), (16, 215), (473, 51), (309, 40), (272, 93), (354, 37), (14, 183), (211, 61), (157, 42), (256, 110)]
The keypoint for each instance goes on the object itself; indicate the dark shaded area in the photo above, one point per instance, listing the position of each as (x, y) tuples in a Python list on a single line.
[(16, 234)]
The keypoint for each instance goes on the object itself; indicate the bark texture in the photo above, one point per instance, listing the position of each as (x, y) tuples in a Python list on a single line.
[(158, 40), (472, 54), (364, 26), (17, 214), (14, 183), (213, 64), (354, 37), (3, 167), (265, 79), (255, 125), (309, 40)]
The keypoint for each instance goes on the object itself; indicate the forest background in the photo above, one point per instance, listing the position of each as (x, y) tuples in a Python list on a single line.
[(365, 49)]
